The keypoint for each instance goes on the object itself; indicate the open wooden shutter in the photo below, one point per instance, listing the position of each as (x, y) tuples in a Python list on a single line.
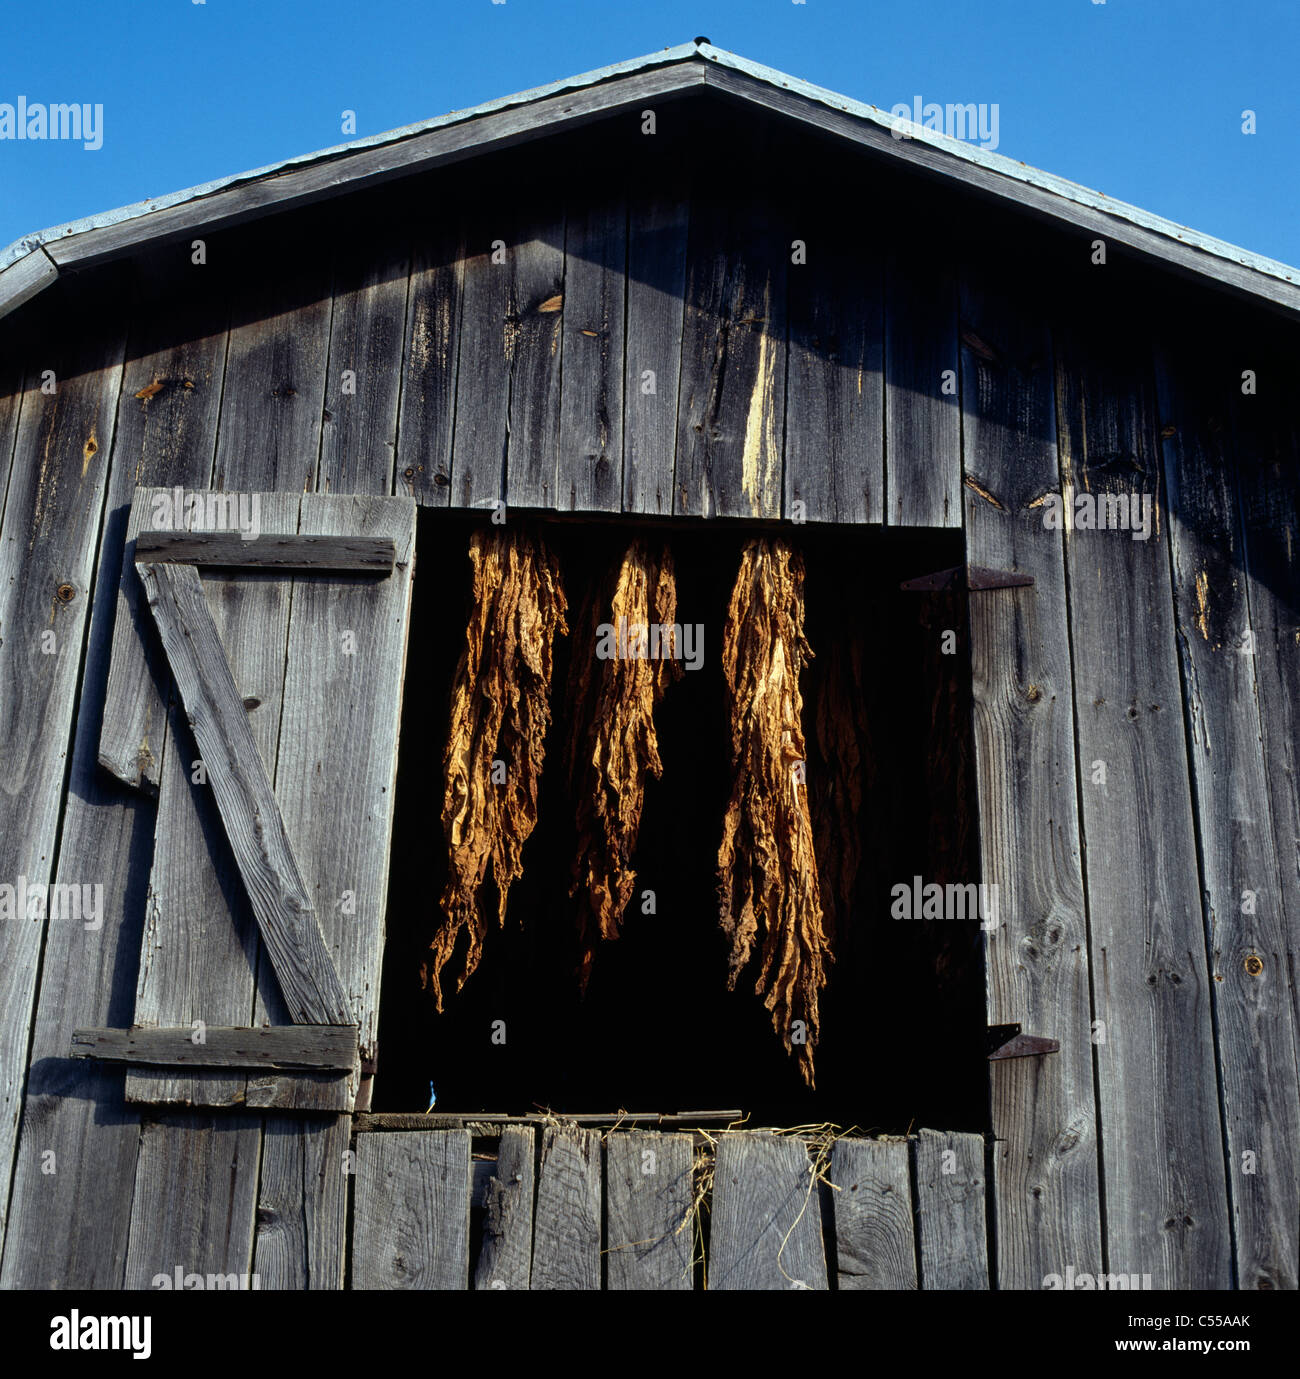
[(277, 664)]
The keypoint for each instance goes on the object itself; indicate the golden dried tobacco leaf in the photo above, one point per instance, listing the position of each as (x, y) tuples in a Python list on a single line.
[(500, 709), (612, 741), (767, 870)]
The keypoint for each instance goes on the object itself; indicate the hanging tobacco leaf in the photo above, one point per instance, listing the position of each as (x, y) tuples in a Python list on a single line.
[(500, 712), (612, 742), (767, 870)]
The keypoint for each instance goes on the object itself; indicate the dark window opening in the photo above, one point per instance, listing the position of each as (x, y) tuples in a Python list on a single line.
[(903, 1015)]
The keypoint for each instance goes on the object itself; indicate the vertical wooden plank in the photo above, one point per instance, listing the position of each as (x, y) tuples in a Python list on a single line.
[(766, 1214), (1161, 1132), (1267, 444), (834, 427), (48, 543), (336, 785), (432, 354), (922, 424), (874, 1240), (507, 401), (274, 397), (505, 1259), (167, 435), (200, 947), (1046, 1193), (591, 365), (731, 406), (139, 681), (302, 1203), (951, 1238), (1254, 1033), (410, 1219), (199, 1176), (532, 338), (12, 370), (69, 1228), (367, 328), (649, 1213), (658, 219), (335, 776), (566, 1231)]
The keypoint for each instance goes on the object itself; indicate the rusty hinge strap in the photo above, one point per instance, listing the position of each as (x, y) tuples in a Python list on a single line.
[(1006, 1041), (967, 578)]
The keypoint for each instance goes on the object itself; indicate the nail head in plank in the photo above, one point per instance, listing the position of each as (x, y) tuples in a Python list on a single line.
[(289, 1046), (410, 1222), (505, 1258), (566, 1234), (874, 1238), (364, 554), (767, 1231), (244, 796)]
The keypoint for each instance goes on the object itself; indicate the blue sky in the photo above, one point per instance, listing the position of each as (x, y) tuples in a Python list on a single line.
[(1141, 99)]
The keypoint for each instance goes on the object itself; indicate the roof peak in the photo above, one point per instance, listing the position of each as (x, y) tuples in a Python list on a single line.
[(32, 262)]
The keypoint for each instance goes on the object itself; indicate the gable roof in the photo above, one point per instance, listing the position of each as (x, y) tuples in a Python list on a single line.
[(33, 262)]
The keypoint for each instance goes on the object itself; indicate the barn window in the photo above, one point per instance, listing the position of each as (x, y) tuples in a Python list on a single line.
[(902, 1015)]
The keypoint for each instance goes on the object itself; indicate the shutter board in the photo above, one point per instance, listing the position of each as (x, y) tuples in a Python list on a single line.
[(199, 948), (338, 771), (135, 700), (325, 727)]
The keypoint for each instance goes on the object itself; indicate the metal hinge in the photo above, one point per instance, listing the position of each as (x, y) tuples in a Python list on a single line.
[(967, 578), (1006, 1041)]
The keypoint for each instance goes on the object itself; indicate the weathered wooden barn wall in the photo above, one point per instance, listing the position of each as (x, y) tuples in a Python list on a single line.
[(1161, 1139)]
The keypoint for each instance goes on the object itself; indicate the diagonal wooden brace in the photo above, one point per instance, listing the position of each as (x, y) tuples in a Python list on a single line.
[(245, 797)]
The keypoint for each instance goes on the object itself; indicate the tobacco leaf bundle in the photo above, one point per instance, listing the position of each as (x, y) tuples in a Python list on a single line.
[(767, 870), (500, 710), (612, 744)]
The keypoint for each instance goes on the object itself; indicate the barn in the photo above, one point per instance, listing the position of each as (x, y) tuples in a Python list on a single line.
[(665, 683)]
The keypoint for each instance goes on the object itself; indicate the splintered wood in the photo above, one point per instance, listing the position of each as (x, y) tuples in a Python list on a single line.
[(612, 741), (767, 871), (500, 711)]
